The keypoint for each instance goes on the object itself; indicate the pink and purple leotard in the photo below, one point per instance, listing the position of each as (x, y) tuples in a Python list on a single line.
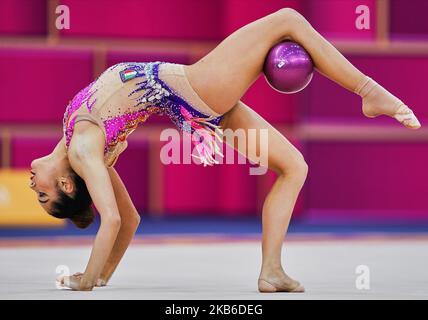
[(126, 94)]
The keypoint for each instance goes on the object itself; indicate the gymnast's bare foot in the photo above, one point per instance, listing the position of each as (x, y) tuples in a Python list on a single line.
[(278, 281), (378, 101)]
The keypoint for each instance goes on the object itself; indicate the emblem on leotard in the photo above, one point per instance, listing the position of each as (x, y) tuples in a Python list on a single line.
[(128, 74)]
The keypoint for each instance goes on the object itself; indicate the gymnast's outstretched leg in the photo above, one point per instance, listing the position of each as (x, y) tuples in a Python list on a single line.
[(222, 77)]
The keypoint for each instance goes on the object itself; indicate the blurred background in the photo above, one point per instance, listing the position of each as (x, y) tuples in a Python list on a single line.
[(366, 175)]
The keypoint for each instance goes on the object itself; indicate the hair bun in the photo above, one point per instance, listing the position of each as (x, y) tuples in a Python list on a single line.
[(84, 218)]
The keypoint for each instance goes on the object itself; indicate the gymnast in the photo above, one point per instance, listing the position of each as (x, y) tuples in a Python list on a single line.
[(203, 96)]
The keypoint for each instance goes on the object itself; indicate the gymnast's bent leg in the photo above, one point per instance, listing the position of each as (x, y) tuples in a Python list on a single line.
[(222, 77), (291, 168)]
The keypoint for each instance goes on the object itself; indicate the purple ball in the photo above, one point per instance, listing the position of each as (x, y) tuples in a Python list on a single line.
[(288, 67)]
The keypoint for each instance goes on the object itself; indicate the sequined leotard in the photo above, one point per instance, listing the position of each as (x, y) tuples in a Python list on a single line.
[(126, 94)]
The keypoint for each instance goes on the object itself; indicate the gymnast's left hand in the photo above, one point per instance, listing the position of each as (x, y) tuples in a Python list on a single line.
[(75, 283), (100, 282)]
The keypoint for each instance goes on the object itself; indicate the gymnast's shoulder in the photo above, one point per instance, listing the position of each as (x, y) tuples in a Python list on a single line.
[(86, 147)]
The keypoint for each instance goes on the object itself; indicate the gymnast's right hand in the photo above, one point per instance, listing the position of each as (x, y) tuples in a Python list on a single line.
[(71, 282), (100, 282)]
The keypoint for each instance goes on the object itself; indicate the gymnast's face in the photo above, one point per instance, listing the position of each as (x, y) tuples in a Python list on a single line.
[(47, 175)]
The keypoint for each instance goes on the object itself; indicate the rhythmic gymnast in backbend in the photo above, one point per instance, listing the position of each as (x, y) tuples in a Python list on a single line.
[(205, 96)]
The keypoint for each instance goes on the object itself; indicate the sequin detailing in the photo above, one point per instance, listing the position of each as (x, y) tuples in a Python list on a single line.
[(120, 113), (153, 91), (118, 128), (83, 97)]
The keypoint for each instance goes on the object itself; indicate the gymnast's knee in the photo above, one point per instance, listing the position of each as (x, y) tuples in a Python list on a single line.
[(290, 14), (295, 169), (291, 19)]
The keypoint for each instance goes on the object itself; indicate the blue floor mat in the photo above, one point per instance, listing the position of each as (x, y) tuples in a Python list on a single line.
[(217, 225)]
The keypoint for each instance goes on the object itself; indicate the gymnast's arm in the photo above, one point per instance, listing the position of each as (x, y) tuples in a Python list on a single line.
[(86, 157), (130, 221)]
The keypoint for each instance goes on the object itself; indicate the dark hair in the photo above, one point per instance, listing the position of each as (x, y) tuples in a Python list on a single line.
[(77, 208)]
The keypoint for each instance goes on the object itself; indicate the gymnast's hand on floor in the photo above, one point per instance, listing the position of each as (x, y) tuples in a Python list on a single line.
[(100, 282), (75, 283), (72, 282)]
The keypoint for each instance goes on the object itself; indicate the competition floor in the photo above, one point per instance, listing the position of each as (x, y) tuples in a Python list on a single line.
[(222, 266)]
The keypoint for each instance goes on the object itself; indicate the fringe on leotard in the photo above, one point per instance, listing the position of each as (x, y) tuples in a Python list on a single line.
[(205, 130), (208, 147)]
